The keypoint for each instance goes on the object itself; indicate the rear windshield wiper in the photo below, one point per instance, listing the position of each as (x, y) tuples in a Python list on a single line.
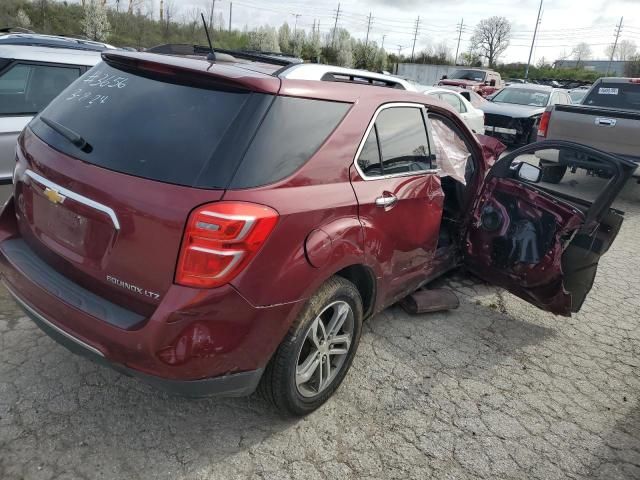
[(69, 134)]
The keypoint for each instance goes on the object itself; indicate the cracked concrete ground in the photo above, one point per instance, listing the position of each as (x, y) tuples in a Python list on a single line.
[(496, 389)]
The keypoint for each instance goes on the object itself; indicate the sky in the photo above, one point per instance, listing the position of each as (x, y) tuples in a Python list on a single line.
[(564, 23)]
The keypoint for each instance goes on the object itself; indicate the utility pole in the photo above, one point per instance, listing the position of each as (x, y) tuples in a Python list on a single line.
[(415, 37), (213, 7), (161, 11), (335, 26), (383, 37), (295, 25), (455, 60), (230, 14), (400, 47), (615, 44), (366, 42), (533, 42)]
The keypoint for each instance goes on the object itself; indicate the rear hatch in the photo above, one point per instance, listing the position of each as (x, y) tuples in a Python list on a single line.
[(111, 169)]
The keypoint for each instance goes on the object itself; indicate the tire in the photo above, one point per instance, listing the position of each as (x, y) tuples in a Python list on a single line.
[(552, 173), (279, 383)]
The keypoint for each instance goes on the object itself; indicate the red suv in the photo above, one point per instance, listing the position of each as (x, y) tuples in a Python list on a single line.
[(211, 227)]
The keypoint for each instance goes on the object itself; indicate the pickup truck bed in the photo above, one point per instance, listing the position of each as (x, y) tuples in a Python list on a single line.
[(614, 128)]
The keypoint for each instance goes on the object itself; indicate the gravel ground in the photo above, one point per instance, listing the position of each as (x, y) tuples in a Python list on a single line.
[(496, 389)]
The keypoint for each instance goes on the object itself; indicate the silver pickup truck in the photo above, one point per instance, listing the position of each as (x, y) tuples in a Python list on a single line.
[(608, 119)]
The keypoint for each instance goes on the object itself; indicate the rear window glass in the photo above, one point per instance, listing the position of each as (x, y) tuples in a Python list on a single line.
[(145, 127), (291, 133), (27, 88), (615, 95)]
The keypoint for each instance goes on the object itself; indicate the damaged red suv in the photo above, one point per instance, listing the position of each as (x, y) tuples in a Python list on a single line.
[(212, 228)]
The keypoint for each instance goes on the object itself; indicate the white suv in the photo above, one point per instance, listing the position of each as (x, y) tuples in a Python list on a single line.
[(30, 77)]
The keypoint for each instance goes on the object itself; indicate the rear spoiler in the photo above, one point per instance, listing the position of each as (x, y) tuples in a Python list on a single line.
[(200, 50), (194, 72)]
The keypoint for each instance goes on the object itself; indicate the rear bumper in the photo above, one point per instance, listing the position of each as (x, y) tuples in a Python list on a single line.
[(228, 340), (234, 385)]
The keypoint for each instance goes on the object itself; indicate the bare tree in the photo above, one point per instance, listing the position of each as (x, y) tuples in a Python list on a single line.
[(625, 50), (491, 38), (581, 51)]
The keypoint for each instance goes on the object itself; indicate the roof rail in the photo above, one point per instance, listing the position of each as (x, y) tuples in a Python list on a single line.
[(187, 49), (330, 73), (15, 30)]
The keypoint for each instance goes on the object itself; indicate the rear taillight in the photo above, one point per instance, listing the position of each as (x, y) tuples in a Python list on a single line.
[(544, 124), (220, 239)]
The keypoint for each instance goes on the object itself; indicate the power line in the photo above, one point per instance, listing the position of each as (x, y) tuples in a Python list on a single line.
[(366, 42), (615, 44), (335, 27), (533, 41), (415, 37), (455, 60)]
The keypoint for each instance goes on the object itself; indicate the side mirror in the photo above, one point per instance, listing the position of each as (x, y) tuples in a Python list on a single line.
[(492, 83), (444, 77), (527, 172)]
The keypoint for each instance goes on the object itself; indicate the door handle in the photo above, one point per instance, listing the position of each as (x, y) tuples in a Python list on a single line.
[(386, 201), (606, 122)]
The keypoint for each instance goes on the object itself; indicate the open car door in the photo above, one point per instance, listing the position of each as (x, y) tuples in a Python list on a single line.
[(539, 243)]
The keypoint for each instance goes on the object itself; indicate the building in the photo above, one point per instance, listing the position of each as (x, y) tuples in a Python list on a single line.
[(617, 67)]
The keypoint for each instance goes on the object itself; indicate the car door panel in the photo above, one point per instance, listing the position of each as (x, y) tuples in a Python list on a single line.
[(400, 199), (401, 238), (541, 245)]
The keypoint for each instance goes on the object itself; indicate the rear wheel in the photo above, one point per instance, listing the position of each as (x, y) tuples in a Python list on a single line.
[(316, 354), (552, 172)]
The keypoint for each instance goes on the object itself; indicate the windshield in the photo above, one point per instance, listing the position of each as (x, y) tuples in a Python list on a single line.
[(473, 75), (577, 95), (625, 96), (520, 96)]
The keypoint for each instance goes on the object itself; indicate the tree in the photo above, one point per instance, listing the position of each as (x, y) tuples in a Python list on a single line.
[(264, 39), (442, 52), (581, 51), (471, 59), (625, 50), (491, 38), (95, 24), (284, 38), (22, 19)]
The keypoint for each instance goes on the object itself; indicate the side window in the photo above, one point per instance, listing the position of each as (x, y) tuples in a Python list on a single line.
[(369, 159), (454, 101), (555, 98), (27, 89), (403, 140)]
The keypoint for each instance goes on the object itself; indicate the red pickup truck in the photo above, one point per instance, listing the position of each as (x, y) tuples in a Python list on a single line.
[(483, 81)]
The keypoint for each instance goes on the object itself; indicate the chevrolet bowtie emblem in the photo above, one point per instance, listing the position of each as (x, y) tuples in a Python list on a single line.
[(53, 196)]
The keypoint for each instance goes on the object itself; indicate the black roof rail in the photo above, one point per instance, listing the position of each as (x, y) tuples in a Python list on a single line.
[(188, 49), (15, 30), (360, 79)]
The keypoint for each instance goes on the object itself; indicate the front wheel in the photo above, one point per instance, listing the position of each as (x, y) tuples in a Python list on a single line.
[(316, 354)]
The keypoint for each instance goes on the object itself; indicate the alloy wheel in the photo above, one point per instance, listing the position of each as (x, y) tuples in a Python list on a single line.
[(325, 349)]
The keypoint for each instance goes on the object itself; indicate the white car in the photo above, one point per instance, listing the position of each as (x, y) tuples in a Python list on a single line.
[(30, 77), (473, 117)]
